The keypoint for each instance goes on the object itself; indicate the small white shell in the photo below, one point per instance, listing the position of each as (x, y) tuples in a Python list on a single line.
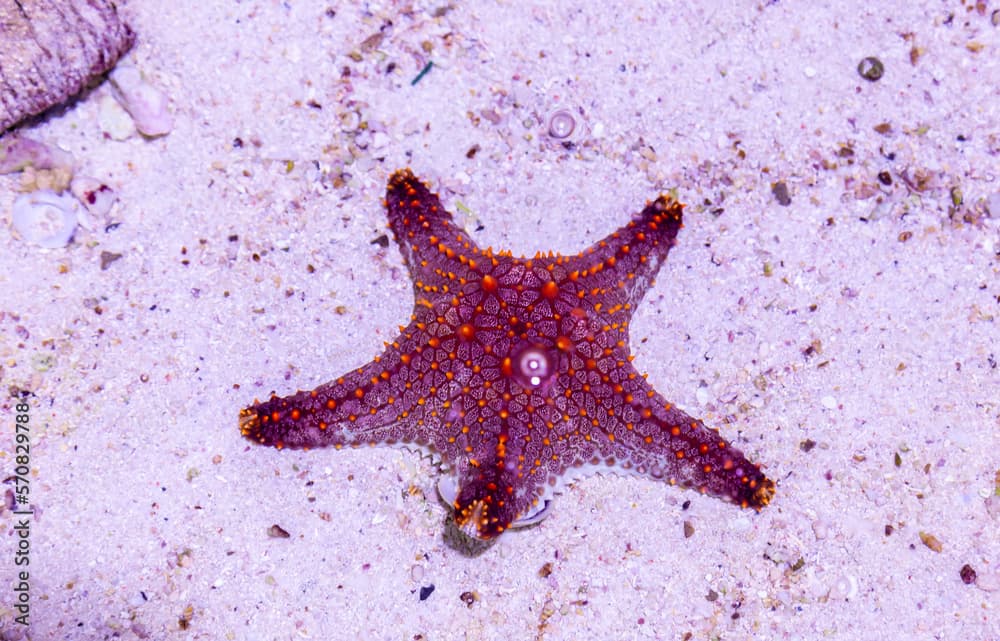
[(45, 218), (145, 103), (96, 198), (561, 124)]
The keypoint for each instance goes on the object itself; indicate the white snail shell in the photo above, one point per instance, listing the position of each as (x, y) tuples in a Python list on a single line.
[(45, 218)]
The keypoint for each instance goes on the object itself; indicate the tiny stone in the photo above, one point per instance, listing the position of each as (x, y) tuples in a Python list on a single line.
[(107, 258), (968, 574), (688, 530), (277, 532), (780, 191), (426, 591), (931, 541)]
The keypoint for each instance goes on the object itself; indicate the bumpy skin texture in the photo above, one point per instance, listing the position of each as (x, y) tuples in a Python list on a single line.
[(515, 371)]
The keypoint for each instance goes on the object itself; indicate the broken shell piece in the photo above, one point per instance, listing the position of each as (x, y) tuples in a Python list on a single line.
[(18, 153), (97, 199), (113, 120), (145, 103), (45, 218)]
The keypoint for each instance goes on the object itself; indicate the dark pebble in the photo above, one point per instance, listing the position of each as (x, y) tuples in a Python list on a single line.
[(780, 191), (871, 69), (107, 258)]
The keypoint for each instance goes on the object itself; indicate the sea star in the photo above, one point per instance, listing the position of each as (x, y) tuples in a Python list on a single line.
[(516, 372)]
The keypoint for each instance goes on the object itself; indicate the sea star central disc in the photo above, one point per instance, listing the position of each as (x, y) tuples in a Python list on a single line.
[(516, 372)]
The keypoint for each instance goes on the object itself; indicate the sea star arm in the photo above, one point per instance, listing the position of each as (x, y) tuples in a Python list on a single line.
[(439, 254), (648, 436), (402, 393), (618, 270), (392, 399)]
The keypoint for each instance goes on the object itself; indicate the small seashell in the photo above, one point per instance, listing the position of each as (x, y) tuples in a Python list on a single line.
[(45, 218), (561, 124), (844, 587), (96, 198), (145, 103)]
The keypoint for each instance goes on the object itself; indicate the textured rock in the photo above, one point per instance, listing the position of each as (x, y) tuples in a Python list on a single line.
[(50, 49)]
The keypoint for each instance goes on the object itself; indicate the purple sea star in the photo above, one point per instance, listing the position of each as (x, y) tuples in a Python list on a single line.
[(516, 372)]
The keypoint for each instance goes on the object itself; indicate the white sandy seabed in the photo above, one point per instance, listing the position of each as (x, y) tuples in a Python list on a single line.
[(832, 306)]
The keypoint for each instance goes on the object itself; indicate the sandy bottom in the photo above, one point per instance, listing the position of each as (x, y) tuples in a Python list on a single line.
[(832, 306)]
